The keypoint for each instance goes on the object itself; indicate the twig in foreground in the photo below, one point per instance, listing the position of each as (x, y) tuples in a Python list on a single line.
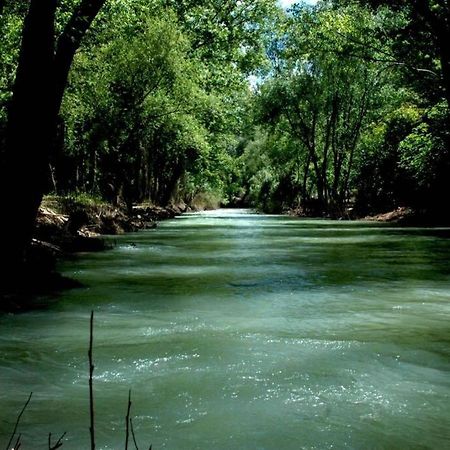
[(132, 434), (91, 391), (17, 423), (127, 420), (58, 443)]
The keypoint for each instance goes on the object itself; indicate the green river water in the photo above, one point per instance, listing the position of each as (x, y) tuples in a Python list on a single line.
[(242, 331)]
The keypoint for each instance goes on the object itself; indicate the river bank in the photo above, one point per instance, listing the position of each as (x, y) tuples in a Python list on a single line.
[(75, 225), (69, 225), (402, 216)]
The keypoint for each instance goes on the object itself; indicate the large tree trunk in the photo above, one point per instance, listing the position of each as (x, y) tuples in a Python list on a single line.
[(39, 87), (30, 131)]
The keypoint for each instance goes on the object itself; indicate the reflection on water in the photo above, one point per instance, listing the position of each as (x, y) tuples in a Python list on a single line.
[(244, 331)]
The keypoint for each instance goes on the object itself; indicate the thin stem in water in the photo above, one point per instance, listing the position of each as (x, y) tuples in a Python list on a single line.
[(18, 421), (91, 391), (127, 420)]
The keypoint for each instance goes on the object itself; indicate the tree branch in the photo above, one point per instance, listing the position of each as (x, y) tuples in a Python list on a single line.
[(91, 391), (18, 421), (127, 421), (70, 40), (58, 443)]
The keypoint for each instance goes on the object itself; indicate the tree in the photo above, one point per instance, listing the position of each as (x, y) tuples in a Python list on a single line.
[(417, 34), (149, 108), (320, 94), (41, 77)]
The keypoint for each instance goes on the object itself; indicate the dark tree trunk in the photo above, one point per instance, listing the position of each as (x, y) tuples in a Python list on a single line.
[(30, 131)]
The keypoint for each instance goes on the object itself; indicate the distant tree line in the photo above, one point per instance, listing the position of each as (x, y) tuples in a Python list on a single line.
[(353, 112)]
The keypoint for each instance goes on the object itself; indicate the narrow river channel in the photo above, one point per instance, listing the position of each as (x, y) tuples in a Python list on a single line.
[(242, 331)]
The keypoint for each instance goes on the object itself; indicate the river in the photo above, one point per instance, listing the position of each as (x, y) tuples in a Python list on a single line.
[(243, 331)]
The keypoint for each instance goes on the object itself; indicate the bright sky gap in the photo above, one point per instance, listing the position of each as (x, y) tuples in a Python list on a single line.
[(289, 3)]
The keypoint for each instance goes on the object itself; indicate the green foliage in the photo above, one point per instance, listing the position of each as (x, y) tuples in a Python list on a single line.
[(316, 104), (355, 111), (381, 182), (136, 101), (80, 199), (226, 33), (350, 106), (424, 156), (11, 22), (147, 115)]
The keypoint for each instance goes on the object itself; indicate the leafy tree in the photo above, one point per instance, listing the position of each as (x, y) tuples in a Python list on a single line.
[(148, 115), (137, 112), (321, 95), (417, 34), (381, 182), (425, 159)]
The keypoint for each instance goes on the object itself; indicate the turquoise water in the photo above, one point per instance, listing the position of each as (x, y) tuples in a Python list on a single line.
[(242, 331)]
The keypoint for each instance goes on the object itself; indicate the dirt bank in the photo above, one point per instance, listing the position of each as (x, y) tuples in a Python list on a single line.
[(75, 226), (65, 226), (399, 215)]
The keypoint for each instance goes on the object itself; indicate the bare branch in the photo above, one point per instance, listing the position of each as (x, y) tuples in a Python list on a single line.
[(17, 423), (58, 443), (91, 391), (132, 434), (127, 421), (18, 444)]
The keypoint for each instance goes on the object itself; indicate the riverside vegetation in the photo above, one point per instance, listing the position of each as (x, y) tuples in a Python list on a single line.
[(337, 109)]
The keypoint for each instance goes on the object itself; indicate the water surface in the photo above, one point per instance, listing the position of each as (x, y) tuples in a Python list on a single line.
[(243, 331)]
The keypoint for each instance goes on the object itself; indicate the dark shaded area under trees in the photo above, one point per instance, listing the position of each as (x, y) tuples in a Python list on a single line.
[(339, 109)]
